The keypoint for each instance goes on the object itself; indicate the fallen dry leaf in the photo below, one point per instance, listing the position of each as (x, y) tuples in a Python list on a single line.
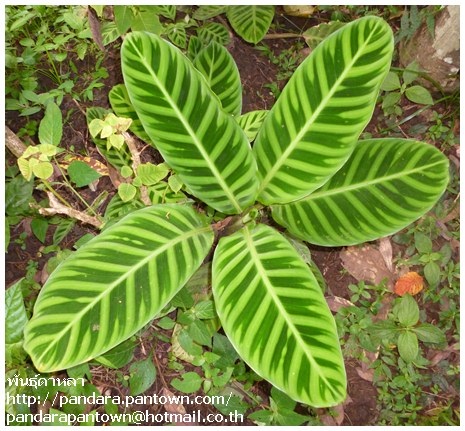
[(335, 303), (335, 418), (364, 371), (411, 283), (366, 374), (435, 356), (174, 407), (366, 263), (385, 248), (95, 164), (300, 10)]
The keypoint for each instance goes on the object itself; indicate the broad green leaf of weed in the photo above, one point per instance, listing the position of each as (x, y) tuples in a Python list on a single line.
[(419, 94), (81, 173), (261, 417), (407, 345), (80, 371), (142, 376), (232, 404), (429, 333), (407, 311), (200, 333), (166, 323), (51, 126), (126, 192), (432, 273), (391, 82), (223, 347), (423, 243), (15, 314), (119, 356), (151, 174), (39, 228), (189, 383), (204, 310)]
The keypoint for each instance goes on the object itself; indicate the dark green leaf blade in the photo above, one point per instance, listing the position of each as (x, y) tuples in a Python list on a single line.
[(384, 186), (115, 284)]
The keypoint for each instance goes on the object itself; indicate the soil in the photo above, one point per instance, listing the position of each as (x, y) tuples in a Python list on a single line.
[(256, 71)]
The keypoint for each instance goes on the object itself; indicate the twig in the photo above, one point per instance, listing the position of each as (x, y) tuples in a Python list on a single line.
[(58, 208), (135, 155), (79, 107), (13, 143), (283, 36)]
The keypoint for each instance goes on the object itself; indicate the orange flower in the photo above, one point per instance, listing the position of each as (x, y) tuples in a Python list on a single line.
[(411, 283)]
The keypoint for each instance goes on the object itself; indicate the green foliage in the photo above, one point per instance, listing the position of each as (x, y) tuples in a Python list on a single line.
[(142, 375), (316, 34), (250, 22), (110, 128), (280, 412), (413, 18), (267, 298), (116, 156), (190, 383), (287, 62), (39, 40), (403, 329), (395, 89)]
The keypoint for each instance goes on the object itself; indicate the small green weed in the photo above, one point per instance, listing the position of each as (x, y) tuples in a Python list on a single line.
[(395, 89), (39, 43), (287, 61)]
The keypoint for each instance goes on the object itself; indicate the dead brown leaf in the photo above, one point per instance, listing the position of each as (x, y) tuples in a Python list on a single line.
[(335, 417), (411, 283), (366, 374), (385, 248), (364, 371), (335, 303), (435, 356), (175, 408), (300, 10), (366, 264)]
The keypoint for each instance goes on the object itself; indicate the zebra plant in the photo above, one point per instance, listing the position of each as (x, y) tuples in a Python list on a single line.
[(306, 169)]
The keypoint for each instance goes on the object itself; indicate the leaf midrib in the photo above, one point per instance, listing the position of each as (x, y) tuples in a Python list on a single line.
[(351, 187), (229, 193), (285, 315), (311, 120)]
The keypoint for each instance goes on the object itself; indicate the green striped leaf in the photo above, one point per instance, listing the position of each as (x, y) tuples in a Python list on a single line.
[(166, 11), (213, 31), (251, 123), (51, 126), (219, 68), (312, 129), (15, 314), (384, 186), (199, 141), (117, 208), (114, 285), (275, 315), (316, 34), (122, 107), (250, 22), (194, 47), (177, 34), (117, 158), (208, 11)]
